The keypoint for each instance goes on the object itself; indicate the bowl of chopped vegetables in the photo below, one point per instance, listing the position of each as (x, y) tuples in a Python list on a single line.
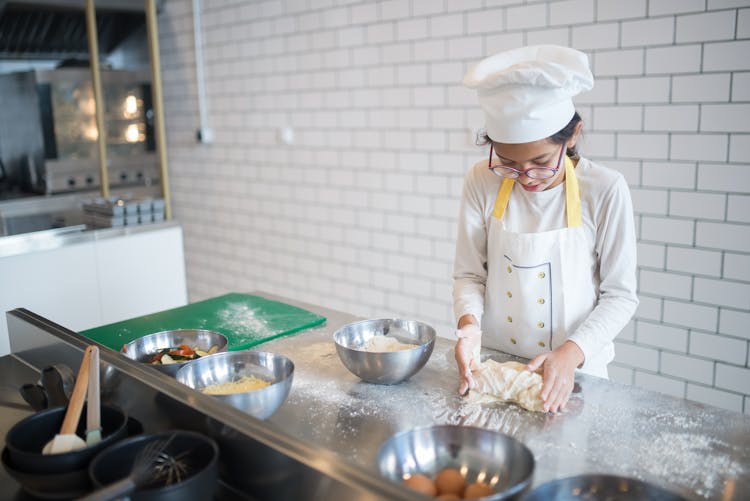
[(167, 351)]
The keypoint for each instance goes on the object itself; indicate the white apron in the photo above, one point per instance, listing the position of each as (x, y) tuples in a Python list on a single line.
[(540, 286)]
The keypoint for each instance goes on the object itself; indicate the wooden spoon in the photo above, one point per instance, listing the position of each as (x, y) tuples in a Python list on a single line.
[(67, 440)]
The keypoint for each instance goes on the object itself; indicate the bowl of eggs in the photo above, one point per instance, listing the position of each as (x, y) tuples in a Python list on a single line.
[(255, 382), (385, 350), (458, 462)]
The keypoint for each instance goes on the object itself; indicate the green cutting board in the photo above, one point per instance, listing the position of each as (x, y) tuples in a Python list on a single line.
[(244, 319)]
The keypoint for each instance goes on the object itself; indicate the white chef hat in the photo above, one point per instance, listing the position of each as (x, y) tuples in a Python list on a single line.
[(526, 93)]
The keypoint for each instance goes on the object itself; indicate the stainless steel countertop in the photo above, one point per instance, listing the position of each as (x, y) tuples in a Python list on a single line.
[(687, 447), (23, 243), (334, 423)]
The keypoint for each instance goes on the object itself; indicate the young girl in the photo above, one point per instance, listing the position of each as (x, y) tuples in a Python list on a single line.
[(545, 254)]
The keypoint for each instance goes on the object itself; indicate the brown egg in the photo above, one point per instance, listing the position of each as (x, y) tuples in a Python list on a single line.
[(448, 497), (477, 490), (421, 483), (450, 481)]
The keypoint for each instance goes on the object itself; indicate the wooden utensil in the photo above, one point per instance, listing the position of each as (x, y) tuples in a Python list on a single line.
[(67, 440), (93, 410)]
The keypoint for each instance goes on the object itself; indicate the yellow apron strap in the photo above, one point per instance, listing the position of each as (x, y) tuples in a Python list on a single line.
[(503, 196), (572, 196)]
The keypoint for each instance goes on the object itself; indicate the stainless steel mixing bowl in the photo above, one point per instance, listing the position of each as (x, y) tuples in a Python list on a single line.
[(481, 455), (600, 487), (231, 366), (384, 367), (143, 348)]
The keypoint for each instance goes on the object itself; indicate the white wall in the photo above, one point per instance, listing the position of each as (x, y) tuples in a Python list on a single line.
[(359, 214)]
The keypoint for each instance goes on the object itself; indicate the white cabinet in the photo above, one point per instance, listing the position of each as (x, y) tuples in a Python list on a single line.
[(96, 282)]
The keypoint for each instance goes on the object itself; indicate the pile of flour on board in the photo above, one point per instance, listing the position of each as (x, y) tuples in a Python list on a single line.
[(242, 321)]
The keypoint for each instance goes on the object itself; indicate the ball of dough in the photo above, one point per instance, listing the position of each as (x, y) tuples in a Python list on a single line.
[(421, 483), (477, 490), (450, 481), (448, 497)]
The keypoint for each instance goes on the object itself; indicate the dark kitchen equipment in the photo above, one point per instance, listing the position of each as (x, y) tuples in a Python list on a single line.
[(599, 488), (66, 485), (58, 485), (34, 395), (26, 439), (198, 453), (57, 381)]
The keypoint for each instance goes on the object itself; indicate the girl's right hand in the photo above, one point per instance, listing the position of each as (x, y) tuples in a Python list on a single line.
[(467, 355)]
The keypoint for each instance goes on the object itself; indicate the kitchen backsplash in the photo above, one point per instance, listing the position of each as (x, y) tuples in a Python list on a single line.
[(358, 213)]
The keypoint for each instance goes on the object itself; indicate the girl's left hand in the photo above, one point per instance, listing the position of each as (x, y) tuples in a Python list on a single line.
[(559, 367)]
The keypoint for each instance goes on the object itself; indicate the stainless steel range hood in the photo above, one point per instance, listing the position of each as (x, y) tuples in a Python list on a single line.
[(56, 29)]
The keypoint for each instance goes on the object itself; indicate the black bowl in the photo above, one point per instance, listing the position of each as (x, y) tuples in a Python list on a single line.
[(67, 485), (198, 453), (595, 487), (27, 437)]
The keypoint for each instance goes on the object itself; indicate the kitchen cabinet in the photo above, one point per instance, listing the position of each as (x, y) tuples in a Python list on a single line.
[(90, 278)]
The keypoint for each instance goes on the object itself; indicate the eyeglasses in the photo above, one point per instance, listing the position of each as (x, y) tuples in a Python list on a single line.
[(532, 173)]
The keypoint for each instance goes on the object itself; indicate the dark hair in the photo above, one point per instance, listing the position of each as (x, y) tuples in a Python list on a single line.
[(559, 137)]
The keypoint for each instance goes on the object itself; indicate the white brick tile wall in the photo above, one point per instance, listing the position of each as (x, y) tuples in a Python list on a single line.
[(690, 315), (666, 385), (669, 175), (734, 294), (672, 118), (712, 396), (651, 255), (551, 36), (665, 284), (743, 23), (698, 147), (373, 91), (661, 7), (640, 146), (696, 261), (739, 149), (706, 27), (650, 308), (718, 347), (725, 118), (726, 56), (649, 201), (734, 323), (697, 205), (618, 118), (614, 9), (656, 31), (733, 378), (734, 237), (531, 16), (636, 356), (571, 12), (701, 88), (737, 266), (661, 336), (600, 36), (620, 62), (675, 231)]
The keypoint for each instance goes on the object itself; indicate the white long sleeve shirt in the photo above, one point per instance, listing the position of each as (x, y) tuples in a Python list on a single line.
[(606, 212)]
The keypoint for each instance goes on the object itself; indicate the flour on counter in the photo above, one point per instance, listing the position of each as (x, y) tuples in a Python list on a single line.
[(242, 321)]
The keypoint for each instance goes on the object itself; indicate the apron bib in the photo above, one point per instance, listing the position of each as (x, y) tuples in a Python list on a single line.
[(540, 286)]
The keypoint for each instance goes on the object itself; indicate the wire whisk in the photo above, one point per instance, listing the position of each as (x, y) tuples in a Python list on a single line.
[(143, 472)]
